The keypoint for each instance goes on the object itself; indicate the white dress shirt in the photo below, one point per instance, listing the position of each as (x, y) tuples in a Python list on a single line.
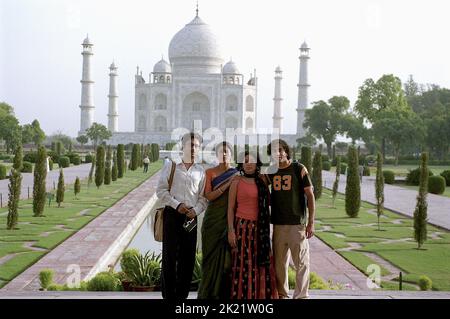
[(188, 187)]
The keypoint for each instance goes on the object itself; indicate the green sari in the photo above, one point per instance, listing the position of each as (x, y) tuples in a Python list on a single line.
[(216, 255)]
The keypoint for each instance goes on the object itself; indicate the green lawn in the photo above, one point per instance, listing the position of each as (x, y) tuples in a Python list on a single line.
[(59, 223), (433, 260)]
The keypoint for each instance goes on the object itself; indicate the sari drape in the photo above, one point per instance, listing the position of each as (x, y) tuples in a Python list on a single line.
[(216, 255)]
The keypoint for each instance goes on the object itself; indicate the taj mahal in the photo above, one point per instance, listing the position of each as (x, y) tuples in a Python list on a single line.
[(194, 85)]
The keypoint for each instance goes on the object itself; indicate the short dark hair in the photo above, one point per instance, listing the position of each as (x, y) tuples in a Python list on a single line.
[(283, 144), (189, 137)]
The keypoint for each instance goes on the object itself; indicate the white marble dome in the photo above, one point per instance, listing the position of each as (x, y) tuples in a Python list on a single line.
[(162, 66), (195, 48), (230, 68)]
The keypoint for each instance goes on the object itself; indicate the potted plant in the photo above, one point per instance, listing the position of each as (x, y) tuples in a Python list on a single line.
[(145, 271), (125, 262)]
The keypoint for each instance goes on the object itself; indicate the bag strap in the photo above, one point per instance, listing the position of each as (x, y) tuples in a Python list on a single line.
[(172, 172), (298, 172), (298, 167)]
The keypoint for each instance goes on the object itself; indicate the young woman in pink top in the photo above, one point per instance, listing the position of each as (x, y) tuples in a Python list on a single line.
[(253, 275)]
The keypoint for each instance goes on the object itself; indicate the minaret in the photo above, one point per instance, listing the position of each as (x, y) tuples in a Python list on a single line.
[(113, 116), (277, 100), (87, 88), (302, 89)]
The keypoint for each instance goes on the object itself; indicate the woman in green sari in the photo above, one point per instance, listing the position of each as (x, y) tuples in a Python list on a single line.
[(216, 256)]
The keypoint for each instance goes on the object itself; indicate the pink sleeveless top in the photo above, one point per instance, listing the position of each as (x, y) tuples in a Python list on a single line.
[(247, 201)]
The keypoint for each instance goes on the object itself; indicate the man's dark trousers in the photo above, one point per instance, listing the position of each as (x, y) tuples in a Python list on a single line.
[(178, 255)]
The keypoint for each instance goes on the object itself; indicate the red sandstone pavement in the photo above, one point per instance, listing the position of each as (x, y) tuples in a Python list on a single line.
[(92, 244), (331, 266), (98, 244)]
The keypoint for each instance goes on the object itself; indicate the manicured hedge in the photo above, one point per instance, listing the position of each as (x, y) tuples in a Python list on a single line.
[(436, 184), (446, 175), (88, 158), (389, 177), (27, 167), (64, 162), (30, 157), (2, 171), (413, 177), (326, 166)]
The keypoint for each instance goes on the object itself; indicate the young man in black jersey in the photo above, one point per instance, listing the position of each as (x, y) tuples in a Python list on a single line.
[(291, 194)]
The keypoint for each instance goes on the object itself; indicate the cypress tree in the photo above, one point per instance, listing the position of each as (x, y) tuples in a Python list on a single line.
[(420, 213), (61, 188), (15, 182), (39, 189), (336, 181), (107, 179), (155, 152), (379, 187), (352, 188), (91, 171), (100, 166), (77, 187), (120, 160), (334, 152), (317, 175), (134, 157), (306, 158), (114, 167), (59, 148), (18, 159), (141, 156)]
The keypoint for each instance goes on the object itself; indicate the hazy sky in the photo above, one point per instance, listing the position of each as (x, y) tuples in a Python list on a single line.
[(40, 60)]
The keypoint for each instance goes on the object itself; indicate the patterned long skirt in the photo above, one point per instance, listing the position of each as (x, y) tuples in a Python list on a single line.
[(249, 280)]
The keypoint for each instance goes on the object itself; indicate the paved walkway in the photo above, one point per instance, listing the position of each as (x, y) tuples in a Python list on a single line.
[(398, 199), (70, 174), (331, 266), (99, 244), (314, 294)]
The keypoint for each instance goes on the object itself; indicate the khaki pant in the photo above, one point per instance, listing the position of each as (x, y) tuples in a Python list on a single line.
[(293, 238)]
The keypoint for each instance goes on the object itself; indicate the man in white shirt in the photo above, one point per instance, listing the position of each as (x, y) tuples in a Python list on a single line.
[(185, 200), (146, 162)]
